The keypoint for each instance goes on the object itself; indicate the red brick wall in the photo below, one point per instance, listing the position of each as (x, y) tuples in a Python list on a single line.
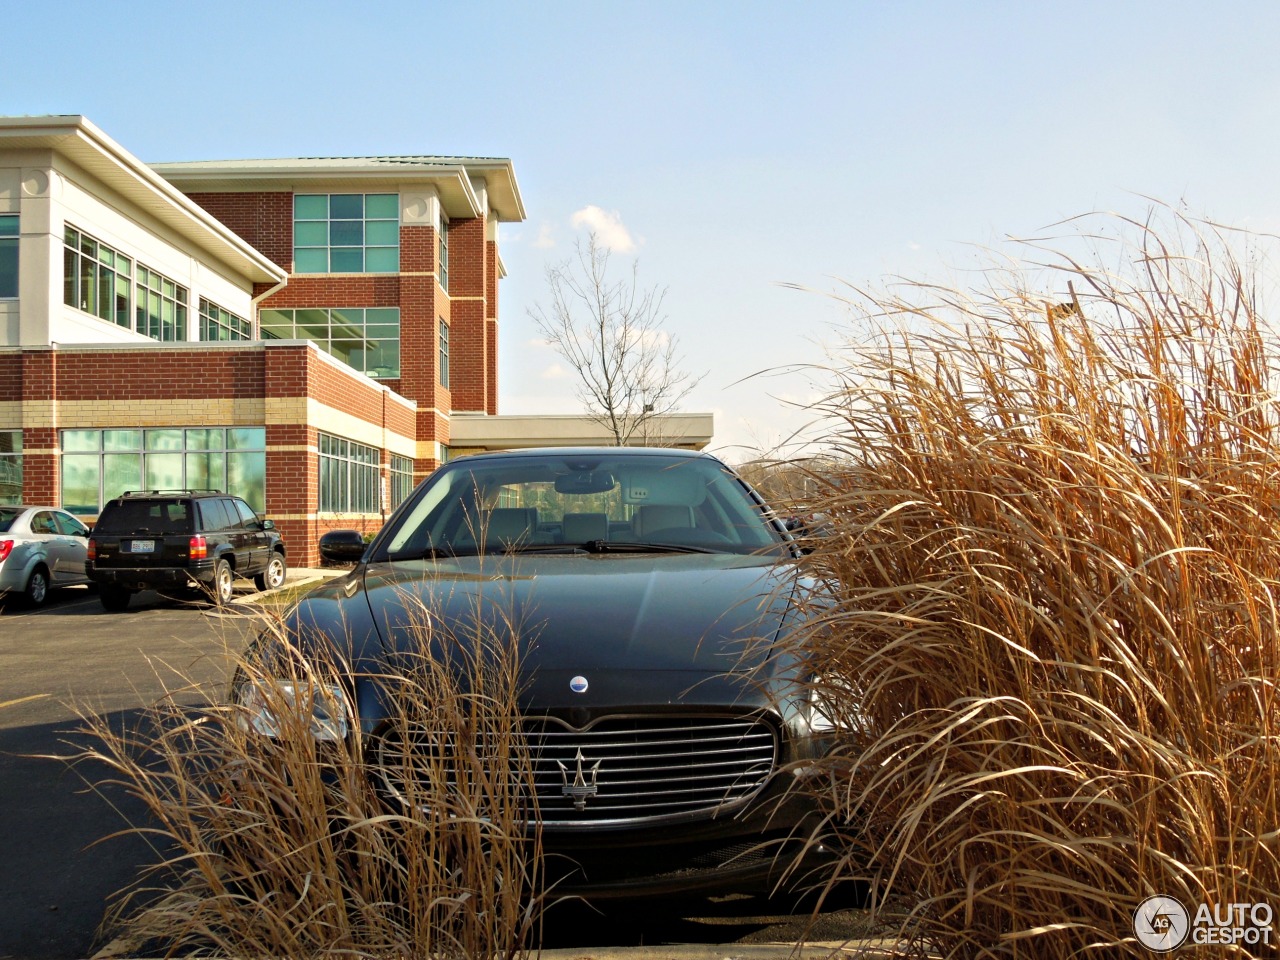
[(349, 290), (169, 374), (470, 307), (164, 373), (264, 219), (10, 377)]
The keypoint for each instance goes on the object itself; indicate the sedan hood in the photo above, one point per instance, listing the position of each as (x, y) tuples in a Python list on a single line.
[(632, 628)]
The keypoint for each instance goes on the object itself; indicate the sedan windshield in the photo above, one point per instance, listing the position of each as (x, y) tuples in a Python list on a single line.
[(589, 503)]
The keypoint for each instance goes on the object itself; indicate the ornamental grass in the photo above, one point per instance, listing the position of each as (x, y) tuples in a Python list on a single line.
[(284, 845), (1047, 620)]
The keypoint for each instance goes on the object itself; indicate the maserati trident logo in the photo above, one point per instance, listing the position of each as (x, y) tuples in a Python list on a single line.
[(581, 788)]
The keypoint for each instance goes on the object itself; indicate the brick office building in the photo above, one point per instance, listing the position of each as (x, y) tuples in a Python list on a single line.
[(315, 335), (298, 332)]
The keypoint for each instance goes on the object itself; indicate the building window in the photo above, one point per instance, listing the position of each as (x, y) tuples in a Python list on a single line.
[(401, 479), (219, 324), (444, 354), (8, 255), (444, 254), (161, 306), (100, 464), (350, 475), (96, 278), (346, 233), (10, 466), (366, 338)]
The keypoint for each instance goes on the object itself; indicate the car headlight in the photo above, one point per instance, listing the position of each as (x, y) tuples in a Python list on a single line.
[(323, 707), (834, 706), (821, 714)]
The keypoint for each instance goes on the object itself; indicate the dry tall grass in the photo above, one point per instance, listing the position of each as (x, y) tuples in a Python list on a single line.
[(1057, 560), (288, 847)]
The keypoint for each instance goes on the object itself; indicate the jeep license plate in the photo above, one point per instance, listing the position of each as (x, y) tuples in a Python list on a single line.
[(142, 546)]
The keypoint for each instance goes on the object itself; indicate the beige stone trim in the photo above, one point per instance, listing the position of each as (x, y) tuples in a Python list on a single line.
[(142, 414), (429, 450), (108, 414), (293, 410)]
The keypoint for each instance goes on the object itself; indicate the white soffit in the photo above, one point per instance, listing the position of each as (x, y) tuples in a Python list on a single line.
[(88, 147)]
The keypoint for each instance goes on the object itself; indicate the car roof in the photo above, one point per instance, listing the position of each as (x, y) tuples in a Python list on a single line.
[(612, 452)]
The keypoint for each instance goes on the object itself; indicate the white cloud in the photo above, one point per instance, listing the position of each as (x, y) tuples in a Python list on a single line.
[(545, 240), (554, 372), (607, 225)]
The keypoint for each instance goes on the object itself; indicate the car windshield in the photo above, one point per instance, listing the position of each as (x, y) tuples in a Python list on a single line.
[(598, 503)]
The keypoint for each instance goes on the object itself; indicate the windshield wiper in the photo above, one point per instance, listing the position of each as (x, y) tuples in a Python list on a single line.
[(542, 548), (633, 546)]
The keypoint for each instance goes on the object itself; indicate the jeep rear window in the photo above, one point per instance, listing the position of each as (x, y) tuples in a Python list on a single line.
[(145, 516)]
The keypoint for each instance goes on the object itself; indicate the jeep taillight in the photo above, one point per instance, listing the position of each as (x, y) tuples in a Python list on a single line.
[(93, 550), (6, 547), (198, 548)]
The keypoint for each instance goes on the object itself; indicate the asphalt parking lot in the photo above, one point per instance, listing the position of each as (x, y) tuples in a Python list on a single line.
[(70, 658)]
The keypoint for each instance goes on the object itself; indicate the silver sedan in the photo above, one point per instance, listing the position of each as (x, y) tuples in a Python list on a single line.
[(40, 548)]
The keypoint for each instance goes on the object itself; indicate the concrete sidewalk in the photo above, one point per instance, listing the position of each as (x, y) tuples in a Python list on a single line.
[(848, 950)]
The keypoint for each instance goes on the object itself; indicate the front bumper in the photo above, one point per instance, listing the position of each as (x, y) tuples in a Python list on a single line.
[(753, 851)]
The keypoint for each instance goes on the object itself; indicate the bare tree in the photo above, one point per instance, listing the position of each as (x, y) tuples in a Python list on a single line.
[(610, 332)]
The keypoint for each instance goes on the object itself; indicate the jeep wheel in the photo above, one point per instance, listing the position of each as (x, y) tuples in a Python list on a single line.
[(37, 590), (273, 576), (114, 599), (223, 585)]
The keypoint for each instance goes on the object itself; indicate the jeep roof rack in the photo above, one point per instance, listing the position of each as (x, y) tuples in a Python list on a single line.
[(168, 493)]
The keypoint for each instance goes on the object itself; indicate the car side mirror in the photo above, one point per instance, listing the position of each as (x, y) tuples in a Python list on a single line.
[(268, 524), (342, 546)]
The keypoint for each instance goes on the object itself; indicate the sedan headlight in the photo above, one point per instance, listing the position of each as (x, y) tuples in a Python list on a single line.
[(834, 707), (273, 707)]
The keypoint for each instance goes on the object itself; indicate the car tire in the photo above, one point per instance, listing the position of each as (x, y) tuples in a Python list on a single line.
[(114, 599), (273, 576), (37, 588), (223, 586)]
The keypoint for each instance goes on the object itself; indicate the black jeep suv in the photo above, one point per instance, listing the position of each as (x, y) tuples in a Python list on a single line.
[(158, 539)]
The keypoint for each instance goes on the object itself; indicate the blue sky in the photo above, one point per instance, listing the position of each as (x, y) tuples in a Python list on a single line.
[(731, 148)]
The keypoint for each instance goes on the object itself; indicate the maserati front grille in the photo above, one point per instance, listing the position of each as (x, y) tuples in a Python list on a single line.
[(617, 769)]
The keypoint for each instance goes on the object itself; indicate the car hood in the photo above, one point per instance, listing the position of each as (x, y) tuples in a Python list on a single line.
[(638, 629)]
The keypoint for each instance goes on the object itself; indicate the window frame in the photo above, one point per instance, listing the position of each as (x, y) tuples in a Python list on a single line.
[(349, 476), (443, 356), (164, 292), (238, 455), (10, 241), (306, 228), (10, 466), (214, 318), (271, 327), (118, 309), (401, 474), (442, 247)]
